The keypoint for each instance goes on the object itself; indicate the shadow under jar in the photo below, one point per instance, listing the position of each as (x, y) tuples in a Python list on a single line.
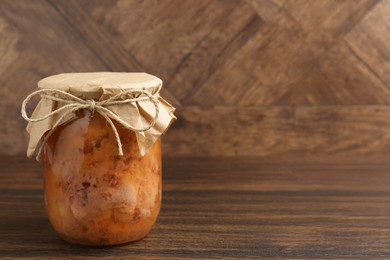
[(93, 196)]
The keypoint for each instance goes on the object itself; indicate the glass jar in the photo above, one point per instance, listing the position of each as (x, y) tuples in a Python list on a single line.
[(98, 135), (92, 195)]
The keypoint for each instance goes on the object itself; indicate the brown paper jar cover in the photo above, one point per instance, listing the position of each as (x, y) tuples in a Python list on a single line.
[(93, 196)]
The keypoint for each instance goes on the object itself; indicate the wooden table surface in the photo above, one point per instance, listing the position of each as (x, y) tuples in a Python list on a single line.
[(226, 208)]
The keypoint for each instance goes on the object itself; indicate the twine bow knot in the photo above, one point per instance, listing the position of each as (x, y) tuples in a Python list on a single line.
[(73, 103), (92, 105)]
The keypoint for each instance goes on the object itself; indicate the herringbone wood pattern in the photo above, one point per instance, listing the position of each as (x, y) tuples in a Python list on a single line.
[(254, 77)]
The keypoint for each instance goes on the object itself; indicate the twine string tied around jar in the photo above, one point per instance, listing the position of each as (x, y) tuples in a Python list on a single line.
[(74, 103)]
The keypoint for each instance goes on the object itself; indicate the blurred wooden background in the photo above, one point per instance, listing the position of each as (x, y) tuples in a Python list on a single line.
[(254, 77)]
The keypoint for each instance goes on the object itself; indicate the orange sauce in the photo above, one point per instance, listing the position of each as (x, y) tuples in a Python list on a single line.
[(93, 196)]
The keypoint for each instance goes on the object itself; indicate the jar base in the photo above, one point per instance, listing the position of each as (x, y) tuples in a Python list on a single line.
[(101, 242)]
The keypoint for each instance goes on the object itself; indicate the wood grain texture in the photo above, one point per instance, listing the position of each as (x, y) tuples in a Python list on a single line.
[(264, 131), (237, 63), (285, 207)]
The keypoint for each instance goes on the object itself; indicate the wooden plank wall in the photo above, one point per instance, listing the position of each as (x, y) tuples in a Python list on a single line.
[(254, 77)]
